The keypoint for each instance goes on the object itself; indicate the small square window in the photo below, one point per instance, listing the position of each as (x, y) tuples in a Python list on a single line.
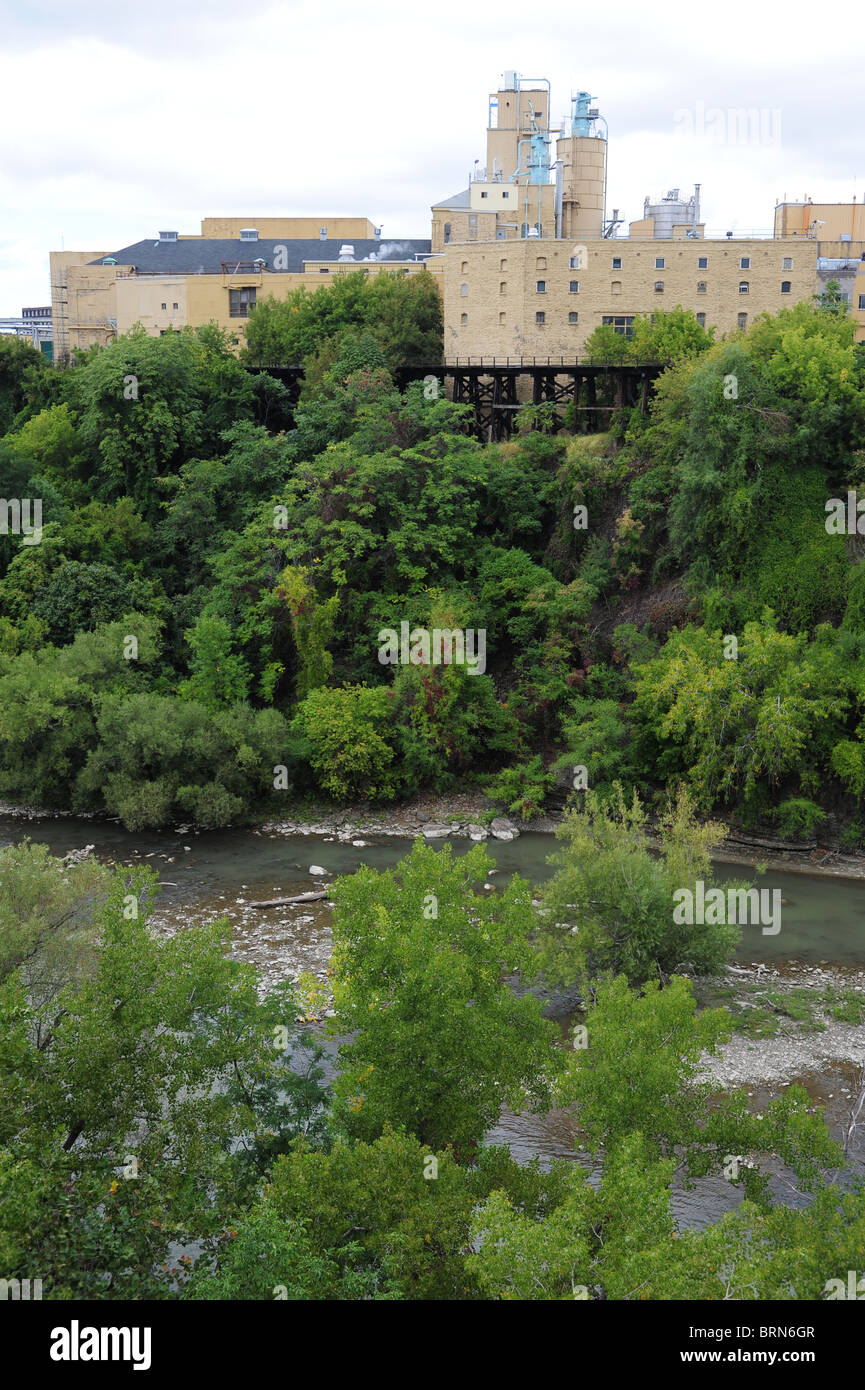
[(540, 318), (659, 262), (541, 286), (617, 263), (573, 318), (483, 194), (573, 287), (506, 194), (744, 287), (175, 306), (787, 263), (659, 287), (464, 318), (786, 286), (701, 287), (744, 262), (702, 262)]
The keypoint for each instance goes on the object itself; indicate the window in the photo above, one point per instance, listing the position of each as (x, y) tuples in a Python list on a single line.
[(447, 231), (659, 262), (702, 262), (742, 320), (464, 289), (573, 318), (615, 287), (573, 287), (787, 263), (464, 318), (165, 306), (786, 286), (541, 263), (540, 318), (659, 287), (744, 287), (503, 287), (240, 302), (540, 286), (323, 269), (505, 194), (503, 265), (617, 263), (701, 319), (862, 301), (175, 306), (575, 263), (623, 324), (483, 194), (701, 287), (465, 267), (744, 262), (501, 319)]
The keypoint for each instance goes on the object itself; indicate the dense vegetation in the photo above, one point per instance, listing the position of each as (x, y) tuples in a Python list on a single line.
[(139, 1074), (196, 633)]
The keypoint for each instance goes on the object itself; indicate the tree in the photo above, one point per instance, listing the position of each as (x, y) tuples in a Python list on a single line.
[(441, 1042), (610, 906), (218, 676)]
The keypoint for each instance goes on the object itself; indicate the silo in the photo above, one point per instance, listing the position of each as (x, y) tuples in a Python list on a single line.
[(583, 156)]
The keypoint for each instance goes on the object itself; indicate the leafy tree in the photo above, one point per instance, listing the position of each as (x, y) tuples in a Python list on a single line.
[(218, 676), (417, 966)]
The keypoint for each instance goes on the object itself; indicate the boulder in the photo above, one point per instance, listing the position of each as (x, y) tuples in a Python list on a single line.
[(435, 830), (504, 829), (478, 832)]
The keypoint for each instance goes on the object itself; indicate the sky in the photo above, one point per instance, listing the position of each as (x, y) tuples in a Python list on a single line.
[(119, 123)]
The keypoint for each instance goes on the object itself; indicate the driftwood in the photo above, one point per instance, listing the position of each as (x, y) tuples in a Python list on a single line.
[(299, 898), (759, 843)]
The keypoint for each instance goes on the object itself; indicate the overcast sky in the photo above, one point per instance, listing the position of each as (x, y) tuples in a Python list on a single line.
[(118, 123)]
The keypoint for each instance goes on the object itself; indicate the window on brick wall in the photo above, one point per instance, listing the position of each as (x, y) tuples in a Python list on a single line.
[(501, 318), (573, 287), (503, 265), (175, 306), (701, 319), (620, 323), (464, 289), (540, 318), (617, 263), (702, 262), (744, 262), (701, 287), (464, 318), (541, 263), (659, 262), (165, 306), (659, 287), (541, 286), (744, 287), (742, 320), (615, 287), (573, 317), (787, 263), (862, 301), (786, 286), (465, 267), (503, 287), (240, 302)]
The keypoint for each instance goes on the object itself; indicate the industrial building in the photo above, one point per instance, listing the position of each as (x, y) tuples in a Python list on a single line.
[(527, 257)]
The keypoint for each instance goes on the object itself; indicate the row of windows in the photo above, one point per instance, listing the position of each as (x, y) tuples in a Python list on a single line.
[(575, 263), (616, 287), (174, 306), (620, 323)]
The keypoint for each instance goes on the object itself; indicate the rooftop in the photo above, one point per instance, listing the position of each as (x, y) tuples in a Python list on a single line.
[(206, 255)]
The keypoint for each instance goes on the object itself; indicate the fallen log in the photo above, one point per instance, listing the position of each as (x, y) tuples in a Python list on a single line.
[(299, 898)]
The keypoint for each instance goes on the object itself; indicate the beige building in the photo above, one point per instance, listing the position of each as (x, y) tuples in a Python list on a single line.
[(171, 279), (533, 263)]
